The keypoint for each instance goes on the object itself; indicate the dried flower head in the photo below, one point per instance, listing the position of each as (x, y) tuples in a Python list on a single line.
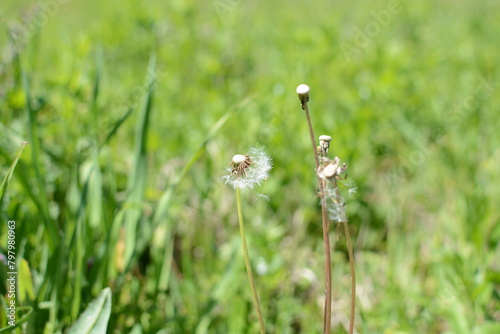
[(248, 170), (334, 173), (303, 92), (332, 169)]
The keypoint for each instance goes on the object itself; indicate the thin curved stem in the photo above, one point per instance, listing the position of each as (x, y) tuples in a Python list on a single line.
[(255, 297), (327, 313), (353, 276)]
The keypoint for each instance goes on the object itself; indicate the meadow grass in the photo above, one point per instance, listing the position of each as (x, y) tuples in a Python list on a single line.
[(132, 109)]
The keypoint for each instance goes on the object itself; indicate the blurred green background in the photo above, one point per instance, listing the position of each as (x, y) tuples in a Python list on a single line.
[(133, 109)]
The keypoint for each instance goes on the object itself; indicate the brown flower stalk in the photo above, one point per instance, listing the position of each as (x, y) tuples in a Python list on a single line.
[(332, 209), (303, 92)]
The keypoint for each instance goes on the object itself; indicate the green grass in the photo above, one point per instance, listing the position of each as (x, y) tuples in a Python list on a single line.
[(132, 110)]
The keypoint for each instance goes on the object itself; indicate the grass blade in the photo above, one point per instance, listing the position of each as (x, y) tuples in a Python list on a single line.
[(24, 318), (49, 224), (6, 180), (137, 180), (95, 181)]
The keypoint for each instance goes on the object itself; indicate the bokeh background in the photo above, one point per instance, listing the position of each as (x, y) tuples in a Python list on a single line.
[(133, 109)]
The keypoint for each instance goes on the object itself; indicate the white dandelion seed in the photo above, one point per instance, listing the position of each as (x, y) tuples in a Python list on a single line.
[(264, 197), (334, 203)]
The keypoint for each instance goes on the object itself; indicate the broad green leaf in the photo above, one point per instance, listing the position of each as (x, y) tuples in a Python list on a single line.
[(94, 320)]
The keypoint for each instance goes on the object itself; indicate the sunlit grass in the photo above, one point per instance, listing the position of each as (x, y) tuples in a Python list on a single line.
[(119, 187)]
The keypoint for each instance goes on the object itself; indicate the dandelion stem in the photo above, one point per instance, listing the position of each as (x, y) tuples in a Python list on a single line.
[(311, 132), (353, 276), (326, 238), (255, 297)]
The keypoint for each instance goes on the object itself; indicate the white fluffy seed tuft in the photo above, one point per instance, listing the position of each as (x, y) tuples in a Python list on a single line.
[(255, 174)]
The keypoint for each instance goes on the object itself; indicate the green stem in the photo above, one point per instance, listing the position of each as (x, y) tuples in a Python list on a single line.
[(353, 276), (256, 303)]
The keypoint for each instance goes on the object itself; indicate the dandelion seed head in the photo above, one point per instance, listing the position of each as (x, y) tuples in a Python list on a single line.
[(253, 173)]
